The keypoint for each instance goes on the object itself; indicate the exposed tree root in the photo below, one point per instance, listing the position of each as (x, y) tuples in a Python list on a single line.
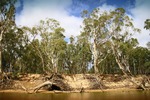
[(80, 83), (35, 89), (142, 84), (54, 82)]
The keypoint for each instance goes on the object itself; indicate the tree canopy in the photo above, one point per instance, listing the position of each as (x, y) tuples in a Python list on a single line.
[(105, 45)]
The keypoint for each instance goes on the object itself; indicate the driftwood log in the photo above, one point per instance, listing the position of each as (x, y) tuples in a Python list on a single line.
[(35, 89)]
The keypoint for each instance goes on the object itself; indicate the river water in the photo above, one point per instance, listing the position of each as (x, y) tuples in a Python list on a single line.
[(113, 95)]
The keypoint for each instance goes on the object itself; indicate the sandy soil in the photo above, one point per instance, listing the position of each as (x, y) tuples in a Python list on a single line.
[(89, 82)]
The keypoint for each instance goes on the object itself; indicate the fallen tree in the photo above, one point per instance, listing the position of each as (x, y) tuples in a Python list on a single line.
[(47, 83), (52, 82), (141, 85)]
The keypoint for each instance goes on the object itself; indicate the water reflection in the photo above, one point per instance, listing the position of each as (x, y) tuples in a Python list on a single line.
[(128, 95)]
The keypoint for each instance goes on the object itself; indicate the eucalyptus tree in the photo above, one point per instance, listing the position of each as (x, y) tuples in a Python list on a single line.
[(147, 27), (51, 45), (57, 47), (121, 29), (13, 49), (7, 21), (31, 38), (94, 28), (71, 56), (84, 52), (30, 61), (78, 55), (139, 60), (113, 26)]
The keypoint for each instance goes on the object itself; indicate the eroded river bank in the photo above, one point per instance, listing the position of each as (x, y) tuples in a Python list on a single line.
[(32, 83)]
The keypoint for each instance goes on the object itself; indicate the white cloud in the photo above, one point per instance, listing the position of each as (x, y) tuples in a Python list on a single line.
[(106, 7), (140, 14), (35, 10)]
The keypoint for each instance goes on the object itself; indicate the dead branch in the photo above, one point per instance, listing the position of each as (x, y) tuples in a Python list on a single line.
[(139, 86), (35, 89)]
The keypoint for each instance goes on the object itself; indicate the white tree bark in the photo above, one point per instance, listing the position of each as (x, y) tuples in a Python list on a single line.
[(95, 55), (122, 64), (54, 64)]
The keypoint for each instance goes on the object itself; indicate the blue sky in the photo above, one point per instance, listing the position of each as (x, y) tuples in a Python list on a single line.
[(67, 12), (78, 6)]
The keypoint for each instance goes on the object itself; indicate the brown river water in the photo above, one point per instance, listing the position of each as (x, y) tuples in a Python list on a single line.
[(113, 95)]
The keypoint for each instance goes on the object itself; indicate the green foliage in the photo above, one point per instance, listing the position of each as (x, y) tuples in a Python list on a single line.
[(51, 47), (114, 27), (13, 48), (105, 42), (139, 59), (147, 24), (9, 35), (31, 62)]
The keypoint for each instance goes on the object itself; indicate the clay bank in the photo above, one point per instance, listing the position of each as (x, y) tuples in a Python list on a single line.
[(33, 83)]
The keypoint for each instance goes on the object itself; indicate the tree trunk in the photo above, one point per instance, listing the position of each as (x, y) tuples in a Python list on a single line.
[(1, 52), (120, 66), (95, 54), (118, 61), (54, 64), (0, 60), (40, 55)]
